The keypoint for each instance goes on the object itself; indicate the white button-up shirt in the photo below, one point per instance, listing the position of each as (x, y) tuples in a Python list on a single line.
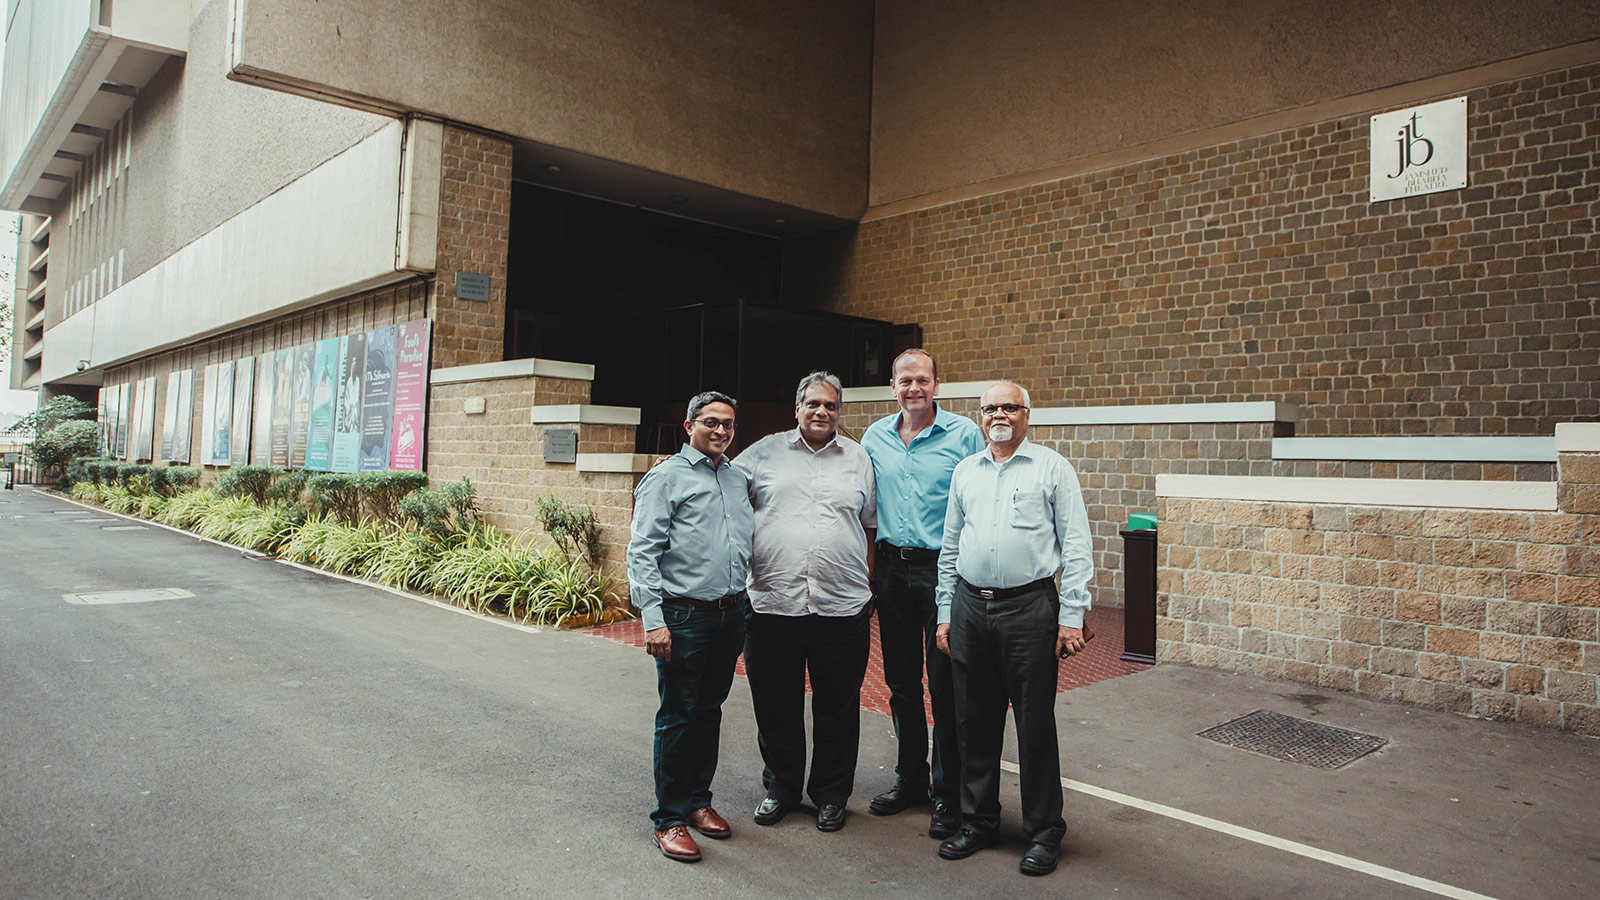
[(1016, 522), (812, 512)]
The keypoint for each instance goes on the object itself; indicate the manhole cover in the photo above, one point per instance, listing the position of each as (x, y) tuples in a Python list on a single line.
[(1294, 740), (109, 597)]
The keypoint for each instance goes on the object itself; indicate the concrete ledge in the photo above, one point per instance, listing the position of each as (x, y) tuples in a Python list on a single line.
[(1447, 494), (584, 414), (513, 368), (948, 390), (1414, 449), (1167, 414), (636, 463), (1578, 437)]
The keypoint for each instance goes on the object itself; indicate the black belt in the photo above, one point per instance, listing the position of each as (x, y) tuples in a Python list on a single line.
[(722, 602), (907, 553), (1008, 593)]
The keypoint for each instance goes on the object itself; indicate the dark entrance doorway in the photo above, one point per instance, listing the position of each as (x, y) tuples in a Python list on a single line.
[(664, 307)]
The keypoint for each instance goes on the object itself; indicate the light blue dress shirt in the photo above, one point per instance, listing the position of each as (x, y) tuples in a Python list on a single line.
[(1016, 522), (692, 533), (914, 481)]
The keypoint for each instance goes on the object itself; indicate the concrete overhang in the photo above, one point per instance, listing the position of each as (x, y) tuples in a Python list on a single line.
[(72, 69)]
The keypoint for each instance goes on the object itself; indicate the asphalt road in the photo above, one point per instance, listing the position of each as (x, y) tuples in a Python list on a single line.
[(285, 734)]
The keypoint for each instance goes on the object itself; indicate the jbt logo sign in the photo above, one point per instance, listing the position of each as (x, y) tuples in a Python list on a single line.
[(1419, 151)]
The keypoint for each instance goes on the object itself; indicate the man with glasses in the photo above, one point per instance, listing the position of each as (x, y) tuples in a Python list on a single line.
[(688, 558), (1016, 520), (913, 453), (814, 500)]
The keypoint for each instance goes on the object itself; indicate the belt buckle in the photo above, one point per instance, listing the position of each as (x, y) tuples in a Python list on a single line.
[(905, 552), (986, 593)]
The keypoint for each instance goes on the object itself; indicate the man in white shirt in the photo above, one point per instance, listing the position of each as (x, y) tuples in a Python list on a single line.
[(814, 500), (1016, 519)]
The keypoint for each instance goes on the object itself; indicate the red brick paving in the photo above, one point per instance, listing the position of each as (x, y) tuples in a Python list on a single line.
[(1099, 662)]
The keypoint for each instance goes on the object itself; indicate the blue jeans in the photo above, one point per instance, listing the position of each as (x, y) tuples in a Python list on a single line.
[(706, 643)]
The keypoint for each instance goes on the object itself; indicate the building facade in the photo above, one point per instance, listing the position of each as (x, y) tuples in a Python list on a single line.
[(1158, 217)]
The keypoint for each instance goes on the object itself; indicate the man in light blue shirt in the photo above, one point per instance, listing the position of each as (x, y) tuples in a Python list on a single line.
[(913, 453), (1016, 520), (688, 559)]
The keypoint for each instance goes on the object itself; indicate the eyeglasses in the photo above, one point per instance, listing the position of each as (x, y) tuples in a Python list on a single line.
[(1009, 409), (718, 424)]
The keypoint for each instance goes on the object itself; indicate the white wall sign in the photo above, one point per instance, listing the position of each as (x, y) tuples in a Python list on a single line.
[(1422, 150)]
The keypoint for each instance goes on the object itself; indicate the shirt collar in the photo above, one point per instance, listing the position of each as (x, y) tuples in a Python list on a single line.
[(796, 440), (1024, 450), (694, 457), (941, 419)]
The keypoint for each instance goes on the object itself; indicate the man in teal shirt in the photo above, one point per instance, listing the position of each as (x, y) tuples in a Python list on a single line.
[(688, 557), (913, 453)]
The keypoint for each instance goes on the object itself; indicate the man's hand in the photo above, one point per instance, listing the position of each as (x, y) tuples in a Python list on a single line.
[(941, 638), (1069, 640), (658, 643)]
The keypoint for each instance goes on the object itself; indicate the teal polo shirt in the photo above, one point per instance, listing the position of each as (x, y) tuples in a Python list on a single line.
[(914, 481)]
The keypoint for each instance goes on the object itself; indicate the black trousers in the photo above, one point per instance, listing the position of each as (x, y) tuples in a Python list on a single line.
[(1004, 651), (902, 589), (779, 651)]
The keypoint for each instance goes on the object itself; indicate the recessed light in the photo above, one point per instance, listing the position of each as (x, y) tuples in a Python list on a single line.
[(552, 169), (677, 200), (780, 221)]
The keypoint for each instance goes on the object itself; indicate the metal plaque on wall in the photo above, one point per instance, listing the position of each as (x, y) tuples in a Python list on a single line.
[(1421, 150), (472, 286), (560, 445)]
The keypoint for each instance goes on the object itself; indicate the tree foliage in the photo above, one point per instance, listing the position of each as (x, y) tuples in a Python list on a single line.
[(54, 412)]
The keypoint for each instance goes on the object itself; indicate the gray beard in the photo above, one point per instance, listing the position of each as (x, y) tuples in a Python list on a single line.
[(999, 434)]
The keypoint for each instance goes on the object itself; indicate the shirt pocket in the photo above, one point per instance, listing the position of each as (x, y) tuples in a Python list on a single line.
[(1027, 510)]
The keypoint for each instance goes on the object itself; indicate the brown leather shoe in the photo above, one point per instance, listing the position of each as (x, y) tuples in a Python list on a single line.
[(676, 843), (706, 821)]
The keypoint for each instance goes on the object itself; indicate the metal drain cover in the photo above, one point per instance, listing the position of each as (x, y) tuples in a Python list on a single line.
[(109, 597), (1294, 740)]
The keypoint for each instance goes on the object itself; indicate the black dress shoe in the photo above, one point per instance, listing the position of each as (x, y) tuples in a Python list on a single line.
[(965, 843), (899, 798), (946, 819), (1040, 859), (771, 810), (830, 817)]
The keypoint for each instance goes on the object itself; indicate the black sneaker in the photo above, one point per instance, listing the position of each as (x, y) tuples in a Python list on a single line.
[(897, 799)]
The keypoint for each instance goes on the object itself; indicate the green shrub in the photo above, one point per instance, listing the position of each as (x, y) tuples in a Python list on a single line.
[(118, 499), (271, 528), (574, 527), (182, 478), (56, 448), (304, 544), (452, 508), (86, 491), (336, 494), (567, 588), (381, 492), (287, 486), (247, 481), (187, 509), (351, 549), (405, 559), (83, 469)]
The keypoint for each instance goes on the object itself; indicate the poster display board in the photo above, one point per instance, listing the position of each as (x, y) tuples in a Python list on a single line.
[(282, 405), (377, 402), (146, 448), (183, 420), (410, 396), (103, 448), (220, 444), (244, 378), (261, 418), (300, 405), (324, 394), (124, 400), (347, 418)]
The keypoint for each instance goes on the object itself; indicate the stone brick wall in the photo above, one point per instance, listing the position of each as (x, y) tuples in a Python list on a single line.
[(1118, 464), (474, 234), (1492, 613), (503, 454), (1258, 270), (375, 309)]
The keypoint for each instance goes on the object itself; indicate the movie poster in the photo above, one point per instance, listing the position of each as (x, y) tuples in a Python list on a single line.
[(324, 397), (261, 423), (244, 378), (106, 419), (220, 444), (169, 416), (300, 405), (410, 396), (133, 420), (124, 400), (183, 423), (147, 420), (282, 406), (377, 402), (208, 414), (347, 420)]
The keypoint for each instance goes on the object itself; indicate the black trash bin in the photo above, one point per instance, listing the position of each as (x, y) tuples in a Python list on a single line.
[(1139, 595)]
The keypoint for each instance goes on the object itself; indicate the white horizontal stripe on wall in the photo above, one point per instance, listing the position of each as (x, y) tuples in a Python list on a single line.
[(1520, 495)]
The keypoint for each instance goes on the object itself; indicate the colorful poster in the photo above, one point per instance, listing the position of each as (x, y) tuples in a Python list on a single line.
[(133, 420), (106, 419), (300, 405), (324, 396), (244, 379), (208, 414), (261, 423), (347, 421), (147, 420), (169, 415), (410, 396), (282, 406), (183, 423), (377, 401), (124, 399), (220, 444)]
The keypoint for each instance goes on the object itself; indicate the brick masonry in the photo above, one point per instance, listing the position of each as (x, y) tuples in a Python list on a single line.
[(503, 454), (1257, 270), (474, 236), (1483, 612)]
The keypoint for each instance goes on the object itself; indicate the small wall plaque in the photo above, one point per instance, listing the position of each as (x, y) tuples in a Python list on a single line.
[(560, 445), (472, 286), (1422, 150), (12, 459), (473, 406)]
